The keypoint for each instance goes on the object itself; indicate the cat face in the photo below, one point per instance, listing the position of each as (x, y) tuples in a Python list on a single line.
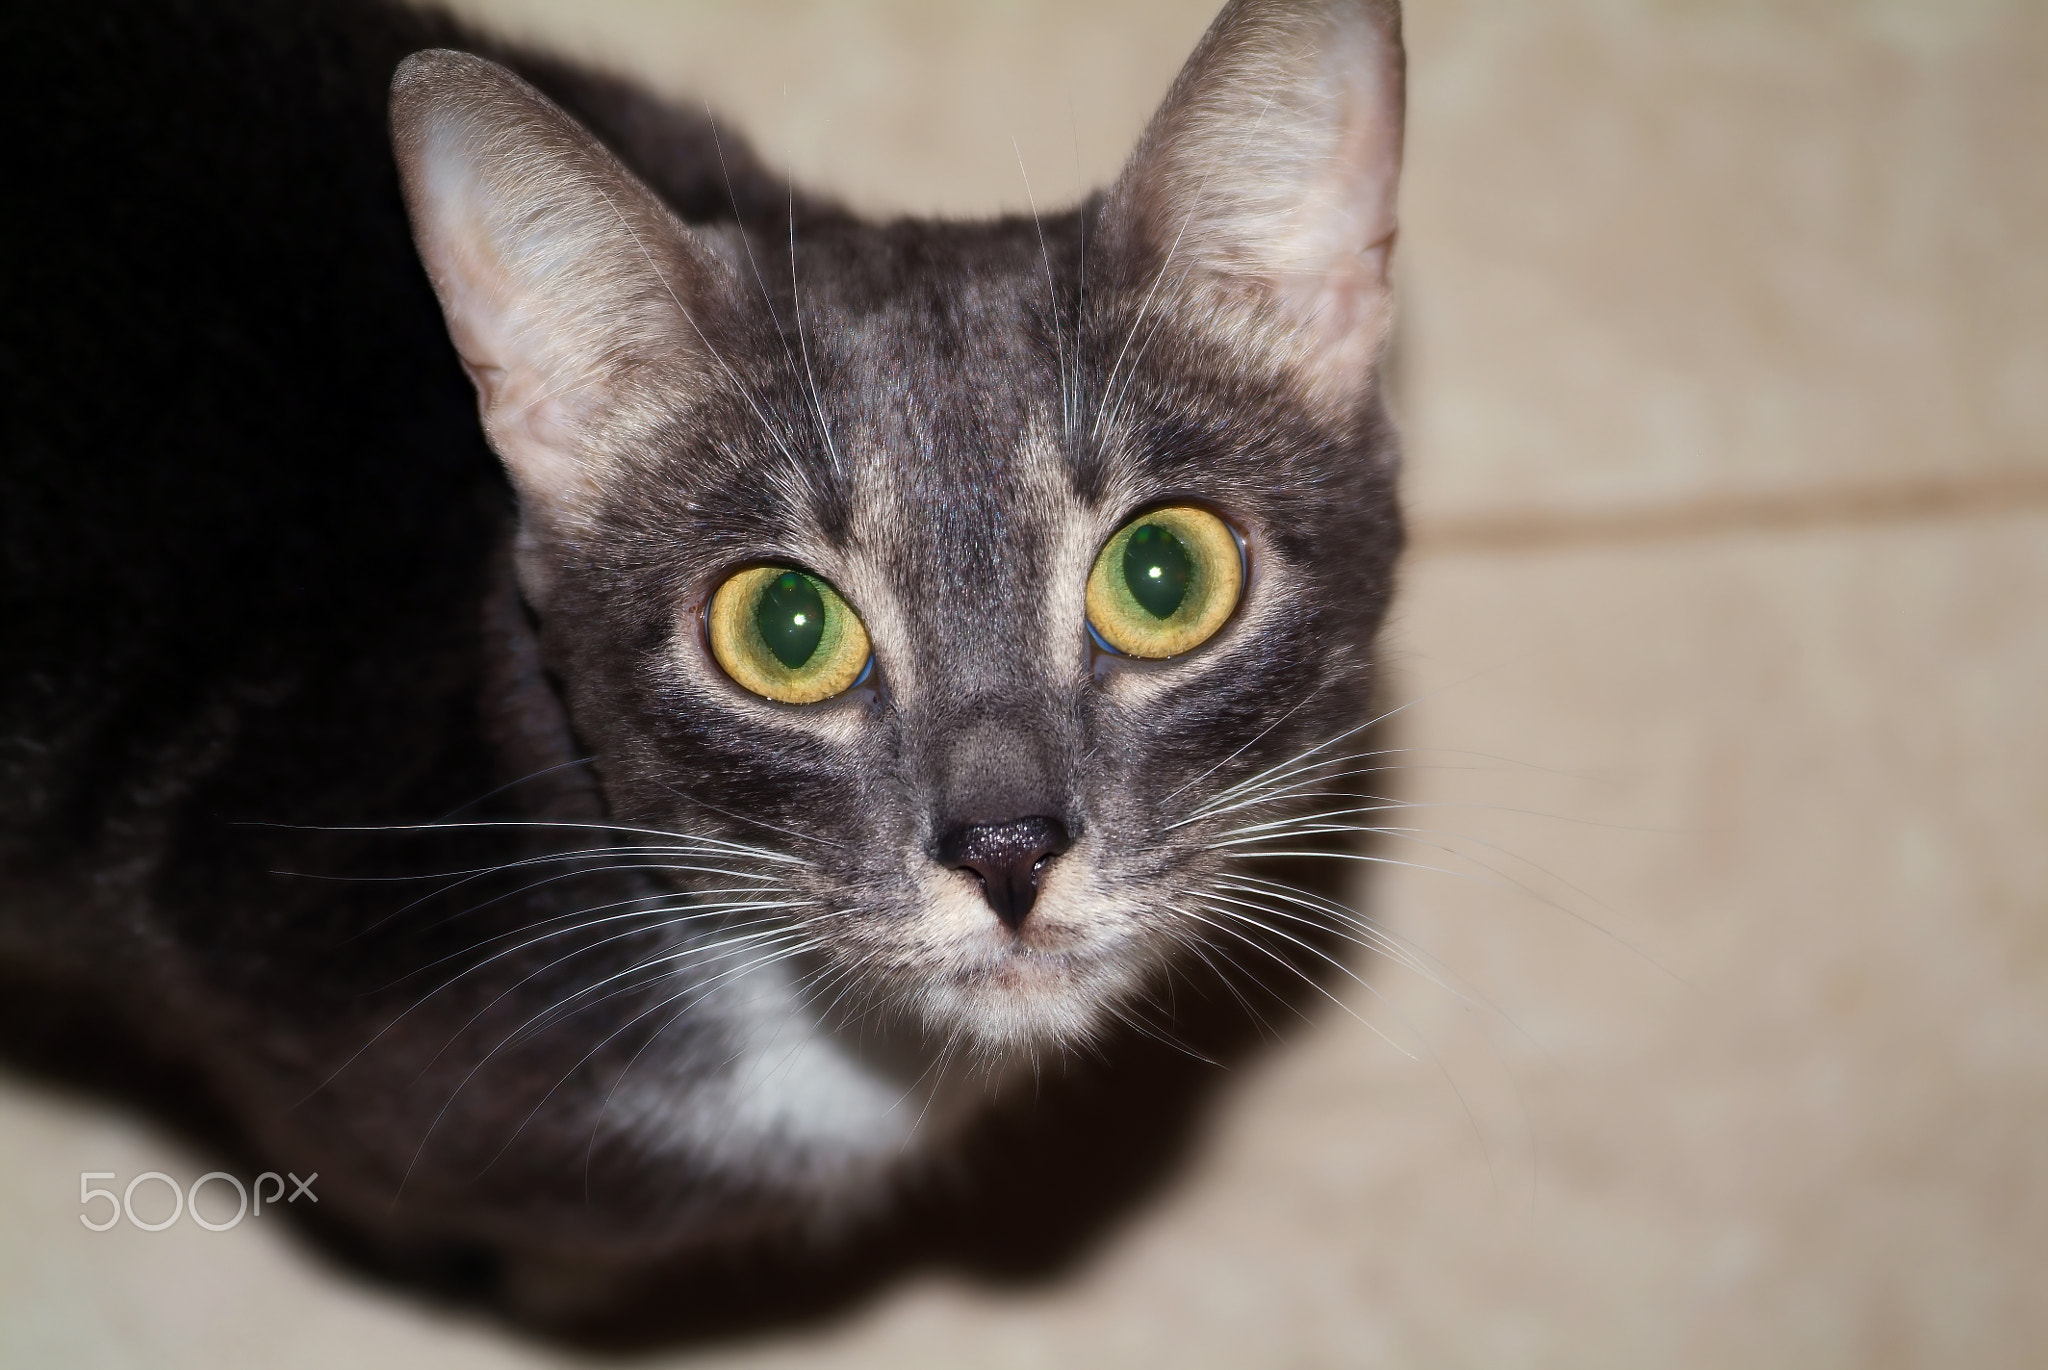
[(1003, 819)]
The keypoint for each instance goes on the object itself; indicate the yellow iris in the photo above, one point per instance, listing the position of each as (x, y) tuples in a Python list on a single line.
[(787, 635), (1165, 583)]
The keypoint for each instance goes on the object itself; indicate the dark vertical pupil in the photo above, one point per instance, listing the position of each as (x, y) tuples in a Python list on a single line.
[(791, 617), (1158, 569)]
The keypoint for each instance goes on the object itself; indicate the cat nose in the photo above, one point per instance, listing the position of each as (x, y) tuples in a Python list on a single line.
[(1007, 859)]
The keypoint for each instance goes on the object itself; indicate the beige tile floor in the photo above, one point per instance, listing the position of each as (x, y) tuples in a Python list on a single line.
[(1726, 376)]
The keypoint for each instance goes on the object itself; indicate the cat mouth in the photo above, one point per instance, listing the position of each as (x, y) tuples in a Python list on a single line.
[(1023, 1005), (1055, 988), (1052, 976), (1019, 963)]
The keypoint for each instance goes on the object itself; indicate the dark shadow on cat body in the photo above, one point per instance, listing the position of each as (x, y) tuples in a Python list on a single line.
[(196, 700), (1027, 1201)]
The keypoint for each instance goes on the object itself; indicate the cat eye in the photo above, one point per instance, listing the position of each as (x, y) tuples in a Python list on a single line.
[(1165, 583), (787, 635)]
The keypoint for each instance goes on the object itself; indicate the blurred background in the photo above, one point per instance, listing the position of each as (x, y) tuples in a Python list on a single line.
[(1724, 645)]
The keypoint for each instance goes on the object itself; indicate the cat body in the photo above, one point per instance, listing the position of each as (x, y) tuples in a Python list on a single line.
[(392, 782)]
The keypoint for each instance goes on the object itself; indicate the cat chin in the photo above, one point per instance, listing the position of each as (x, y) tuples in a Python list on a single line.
[(1024, 1006)]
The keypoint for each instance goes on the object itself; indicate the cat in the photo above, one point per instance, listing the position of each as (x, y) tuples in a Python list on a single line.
[(850, 670)]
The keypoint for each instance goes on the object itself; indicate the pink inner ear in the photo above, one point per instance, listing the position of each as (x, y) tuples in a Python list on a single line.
[(482, 302), (471, 281)]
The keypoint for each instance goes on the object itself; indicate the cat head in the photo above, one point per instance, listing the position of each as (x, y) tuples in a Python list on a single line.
[(983, 584)]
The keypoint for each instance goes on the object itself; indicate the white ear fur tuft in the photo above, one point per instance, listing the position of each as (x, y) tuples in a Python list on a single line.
[(1268, 177), (568, 287)]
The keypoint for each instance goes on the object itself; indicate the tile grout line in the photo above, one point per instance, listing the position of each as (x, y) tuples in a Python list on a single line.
[(1793, 511)]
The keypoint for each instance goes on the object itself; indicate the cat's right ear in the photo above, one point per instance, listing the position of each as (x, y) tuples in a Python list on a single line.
[(571, 292)]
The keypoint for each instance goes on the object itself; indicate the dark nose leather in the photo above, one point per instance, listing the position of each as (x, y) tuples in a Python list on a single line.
[(1006, 858)]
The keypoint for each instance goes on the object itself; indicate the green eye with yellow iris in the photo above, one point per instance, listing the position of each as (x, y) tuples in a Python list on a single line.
[(787, 635), (1165, 583)]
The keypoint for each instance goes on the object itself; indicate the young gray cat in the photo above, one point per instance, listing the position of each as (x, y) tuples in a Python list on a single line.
[(907, 638)]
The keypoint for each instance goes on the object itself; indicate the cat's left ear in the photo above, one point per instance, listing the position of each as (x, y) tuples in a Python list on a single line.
[(1263, 189)]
